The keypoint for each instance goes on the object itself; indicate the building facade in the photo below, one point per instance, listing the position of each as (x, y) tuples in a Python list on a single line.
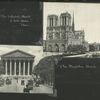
[(94, 46), (18, 64), (60, 33)]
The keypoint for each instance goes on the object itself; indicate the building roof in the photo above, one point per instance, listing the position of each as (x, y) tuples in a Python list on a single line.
[(52, 15), (17, 53), (66, 13), (79, 32)]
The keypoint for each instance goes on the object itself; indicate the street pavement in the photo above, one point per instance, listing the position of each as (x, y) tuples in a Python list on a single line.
[(17, 88), (42, 89)]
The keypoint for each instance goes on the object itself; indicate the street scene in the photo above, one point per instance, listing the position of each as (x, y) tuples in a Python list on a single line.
[(68, 55), (17, 88), (22, 70)]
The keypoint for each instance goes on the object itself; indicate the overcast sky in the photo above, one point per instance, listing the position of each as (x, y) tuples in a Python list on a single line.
[(37, 51), (86, 16)]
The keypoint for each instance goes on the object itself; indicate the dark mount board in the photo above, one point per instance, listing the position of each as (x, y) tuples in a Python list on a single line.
[(20, 23), (20, 96), (65, 90), (90, 1), (78, 78)]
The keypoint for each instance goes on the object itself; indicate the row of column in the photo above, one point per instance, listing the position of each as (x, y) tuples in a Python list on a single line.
[(52, 21), (56, 35), (65, 20), (6, 68), (57, 48)]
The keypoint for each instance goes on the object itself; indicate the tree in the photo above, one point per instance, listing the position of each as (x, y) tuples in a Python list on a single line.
[(91, 47), (45, 68), (76, 48)]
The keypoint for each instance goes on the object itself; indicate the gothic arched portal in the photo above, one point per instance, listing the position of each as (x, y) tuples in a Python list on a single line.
[(50, 48), (63, 48), (56, 47)]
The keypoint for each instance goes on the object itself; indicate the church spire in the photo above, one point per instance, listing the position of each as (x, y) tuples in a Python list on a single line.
[(73, 25)]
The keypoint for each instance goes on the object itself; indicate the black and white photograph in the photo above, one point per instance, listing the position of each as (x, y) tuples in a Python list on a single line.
[(71, 35), (50, 48), (23, 65), (77, 19), (22, 70)]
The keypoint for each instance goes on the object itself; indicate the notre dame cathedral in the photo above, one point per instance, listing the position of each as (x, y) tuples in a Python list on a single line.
[(61, 33)]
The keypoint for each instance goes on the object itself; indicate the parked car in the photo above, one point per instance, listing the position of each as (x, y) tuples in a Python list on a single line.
[(8, 81), (30, 84), (37, 83), (22, 82), (1, 82)]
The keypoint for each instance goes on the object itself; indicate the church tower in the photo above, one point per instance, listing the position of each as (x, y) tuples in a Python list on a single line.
[(52, 22), (73, 25)]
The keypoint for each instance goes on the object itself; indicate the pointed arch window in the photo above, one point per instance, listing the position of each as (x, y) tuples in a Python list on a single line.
[(63, 35), (63, 47), (57, 35), (50, 48), (50, 36), (56, 47)]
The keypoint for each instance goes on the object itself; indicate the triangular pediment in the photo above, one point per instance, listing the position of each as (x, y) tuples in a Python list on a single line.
[(17, 53)]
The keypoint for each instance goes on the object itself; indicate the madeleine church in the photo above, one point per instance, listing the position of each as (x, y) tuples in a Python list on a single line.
[(60, 33), (18, 64)]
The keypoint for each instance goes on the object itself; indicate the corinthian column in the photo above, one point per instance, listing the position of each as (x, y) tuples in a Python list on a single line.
[(6, 67), (24, 68), (32, 67), (15, 68), (19, 67), (10, 67), (28, 67), (48, 22)]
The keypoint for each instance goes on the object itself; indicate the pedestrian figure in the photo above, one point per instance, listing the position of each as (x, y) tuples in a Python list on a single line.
[(26, 90)]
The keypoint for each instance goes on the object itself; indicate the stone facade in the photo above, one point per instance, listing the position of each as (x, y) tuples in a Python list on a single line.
[(18, 64), (60, 33), (96, 46)]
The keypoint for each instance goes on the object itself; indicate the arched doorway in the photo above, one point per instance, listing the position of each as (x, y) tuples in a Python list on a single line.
[(62, 47), (56, 48), (50, 48)]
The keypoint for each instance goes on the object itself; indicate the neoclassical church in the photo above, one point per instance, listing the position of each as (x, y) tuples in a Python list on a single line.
[(18, 64), (60, 32)]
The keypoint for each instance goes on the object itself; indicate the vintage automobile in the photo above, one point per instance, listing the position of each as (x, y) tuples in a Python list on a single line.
[(30, 84), (1, 82), (22, 82), (37, 82), (8, 81)]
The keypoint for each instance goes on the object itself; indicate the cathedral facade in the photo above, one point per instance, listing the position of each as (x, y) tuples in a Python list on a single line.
[(60, 33)]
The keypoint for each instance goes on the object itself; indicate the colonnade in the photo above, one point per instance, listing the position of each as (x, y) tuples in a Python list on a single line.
[(17, 66)]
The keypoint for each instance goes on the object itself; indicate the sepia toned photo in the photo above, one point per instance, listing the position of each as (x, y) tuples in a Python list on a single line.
[(50, 48), (71, 37), (71, 29), (22, 71), (24, 66)]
